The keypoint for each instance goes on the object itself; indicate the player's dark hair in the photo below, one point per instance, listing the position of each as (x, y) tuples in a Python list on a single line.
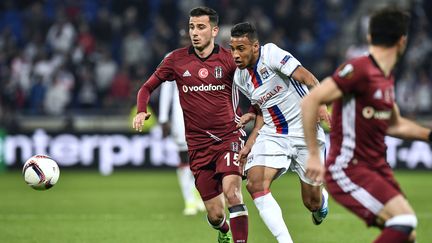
[(205, 11), (245, 29), (387, 25)]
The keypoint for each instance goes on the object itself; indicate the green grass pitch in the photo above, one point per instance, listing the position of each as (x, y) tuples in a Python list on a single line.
[(146, 206)]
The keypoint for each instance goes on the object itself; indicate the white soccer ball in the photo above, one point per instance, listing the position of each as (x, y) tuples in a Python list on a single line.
[(41, 172)]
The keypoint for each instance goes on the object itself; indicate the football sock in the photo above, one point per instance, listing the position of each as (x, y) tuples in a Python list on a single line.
[(271, 214), (398, 229), (239, 223), (187, 184), (222, 226), (390, 234)]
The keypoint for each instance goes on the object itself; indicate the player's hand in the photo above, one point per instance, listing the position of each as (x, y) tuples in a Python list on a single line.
[(245, 119), (324, 115), (314, 169), (139, 119), (242, 155)]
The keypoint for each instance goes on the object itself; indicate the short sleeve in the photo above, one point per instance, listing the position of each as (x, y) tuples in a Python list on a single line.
[(348, 77), (165, 70), (281, 60)]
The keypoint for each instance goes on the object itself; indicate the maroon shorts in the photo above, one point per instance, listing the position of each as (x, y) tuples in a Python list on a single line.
[(362, 188), (209, 165)]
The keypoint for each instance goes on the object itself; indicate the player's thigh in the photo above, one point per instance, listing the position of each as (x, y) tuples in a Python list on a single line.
[(299, 162), (396, 206), (207, 182), (271, 152), (361, 189), (259, 178)]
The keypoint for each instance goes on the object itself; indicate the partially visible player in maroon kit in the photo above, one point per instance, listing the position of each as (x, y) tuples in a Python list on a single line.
[(364, 111), (204, 74)]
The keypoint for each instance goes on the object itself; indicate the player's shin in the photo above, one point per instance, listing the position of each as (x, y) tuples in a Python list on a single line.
[(398, 229), (271, 214), (239, 223)]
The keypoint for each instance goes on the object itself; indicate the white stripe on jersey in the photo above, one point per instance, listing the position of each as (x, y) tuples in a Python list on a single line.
[(347, 153)]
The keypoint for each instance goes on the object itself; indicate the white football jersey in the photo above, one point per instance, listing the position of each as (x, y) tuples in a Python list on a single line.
[(270, 86)]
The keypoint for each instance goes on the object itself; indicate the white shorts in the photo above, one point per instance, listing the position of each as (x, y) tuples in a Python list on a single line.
[(284, 153)]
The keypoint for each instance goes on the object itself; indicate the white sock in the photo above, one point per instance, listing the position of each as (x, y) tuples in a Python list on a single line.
[(324, 199), (271, 214), (187, 184)]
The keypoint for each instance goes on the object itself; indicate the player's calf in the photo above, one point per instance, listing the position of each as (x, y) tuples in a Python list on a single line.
[(398, 229)]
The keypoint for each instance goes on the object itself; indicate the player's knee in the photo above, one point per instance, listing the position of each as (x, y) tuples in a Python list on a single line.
[(215, 215), (405, 223), (412, 237), (254, 187)]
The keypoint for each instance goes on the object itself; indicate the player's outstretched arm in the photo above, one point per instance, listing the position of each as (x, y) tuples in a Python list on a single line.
[(405, 129), (143, 98), (325, 93), (303, 75)]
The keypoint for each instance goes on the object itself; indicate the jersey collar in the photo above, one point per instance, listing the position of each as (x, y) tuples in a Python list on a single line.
[(215, 50), (374, 62)]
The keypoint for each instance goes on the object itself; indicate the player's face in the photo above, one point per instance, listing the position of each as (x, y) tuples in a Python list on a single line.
[(244, 52), (201, 32)]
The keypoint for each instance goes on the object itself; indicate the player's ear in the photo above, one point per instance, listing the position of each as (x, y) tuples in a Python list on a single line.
[(369, 38), (215, 31), (256, 46)]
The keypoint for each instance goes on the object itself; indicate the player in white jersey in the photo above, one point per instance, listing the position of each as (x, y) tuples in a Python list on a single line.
[(275, 83), (169, 103)]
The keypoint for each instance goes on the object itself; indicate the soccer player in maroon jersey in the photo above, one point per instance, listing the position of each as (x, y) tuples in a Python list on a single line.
[(364, 111), (204, 73)]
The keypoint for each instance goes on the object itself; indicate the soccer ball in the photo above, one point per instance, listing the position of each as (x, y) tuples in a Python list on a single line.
[(41, 172)]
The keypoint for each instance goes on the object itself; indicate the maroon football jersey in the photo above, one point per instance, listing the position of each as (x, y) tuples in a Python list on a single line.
[(361, 117), (207, 96)]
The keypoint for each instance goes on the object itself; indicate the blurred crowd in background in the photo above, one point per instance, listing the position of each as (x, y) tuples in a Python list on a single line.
[(91, 56)]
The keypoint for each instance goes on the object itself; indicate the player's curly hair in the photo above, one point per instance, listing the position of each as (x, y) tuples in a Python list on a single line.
[(205, 11), (387, 25), (245, 29)]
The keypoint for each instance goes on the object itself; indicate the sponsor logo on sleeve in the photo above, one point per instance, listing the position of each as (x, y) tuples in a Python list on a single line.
[(285, 59), (346, 71)]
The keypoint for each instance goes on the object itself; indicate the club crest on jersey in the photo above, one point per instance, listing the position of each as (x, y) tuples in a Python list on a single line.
[(346, 71), (218, 72), (234, 147), (264, 73), (203, 73)]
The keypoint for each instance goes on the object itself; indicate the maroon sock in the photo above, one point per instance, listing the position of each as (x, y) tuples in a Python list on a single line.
[(224, 228), (391, 235), (239, 228)]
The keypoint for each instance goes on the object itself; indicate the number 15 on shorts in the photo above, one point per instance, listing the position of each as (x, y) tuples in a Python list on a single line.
[(231, 158)]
